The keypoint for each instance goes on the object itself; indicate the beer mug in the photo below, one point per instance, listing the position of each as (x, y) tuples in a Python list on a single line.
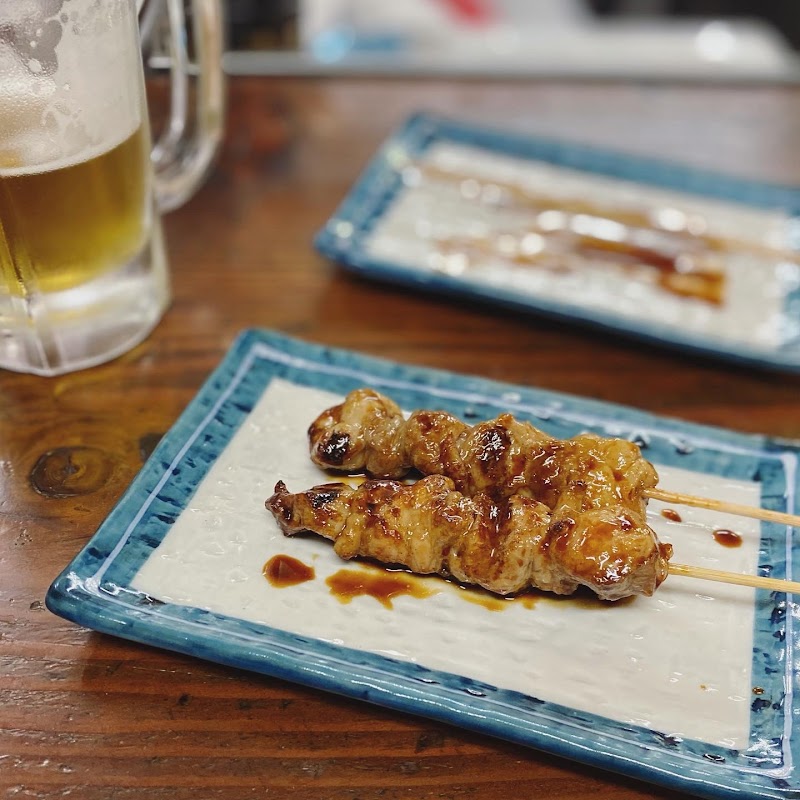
[(83, 273)]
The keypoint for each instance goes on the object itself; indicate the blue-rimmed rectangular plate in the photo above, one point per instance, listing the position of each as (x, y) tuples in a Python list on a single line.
[(693, 688), (647, 248)]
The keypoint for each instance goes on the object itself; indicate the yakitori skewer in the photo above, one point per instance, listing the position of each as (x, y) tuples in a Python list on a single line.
[(368, 433), (501, 504), (505, 547)]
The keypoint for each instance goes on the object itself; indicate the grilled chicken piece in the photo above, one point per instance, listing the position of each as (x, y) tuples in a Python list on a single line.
[(505, 546), (367, 433)]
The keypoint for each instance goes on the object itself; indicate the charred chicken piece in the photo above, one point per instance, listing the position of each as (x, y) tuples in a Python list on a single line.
[(504, 546), (365, 433)]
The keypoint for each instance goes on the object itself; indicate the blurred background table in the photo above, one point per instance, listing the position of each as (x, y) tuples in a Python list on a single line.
[(88, 715)]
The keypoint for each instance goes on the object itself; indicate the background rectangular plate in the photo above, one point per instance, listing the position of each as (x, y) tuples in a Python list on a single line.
[(453, 208), (693, 688)]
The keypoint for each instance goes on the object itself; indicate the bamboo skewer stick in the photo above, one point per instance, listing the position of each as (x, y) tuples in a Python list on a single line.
[(756, 581), (721, 576), (720, 505)]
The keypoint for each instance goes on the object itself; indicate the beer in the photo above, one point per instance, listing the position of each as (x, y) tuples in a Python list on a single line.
[(67, 224)]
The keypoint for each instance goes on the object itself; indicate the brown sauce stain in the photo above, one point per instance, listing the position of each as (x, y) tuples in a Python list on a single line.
[(586, 599), (495, 602), (727, 538), (383, 585), (582, 598), (491, 602), (282, 571), (566, 249), (671, 514)]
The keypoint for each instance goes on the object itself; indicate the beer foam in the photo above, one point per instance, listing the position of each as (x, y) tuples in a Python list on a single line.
[(9, 167), (68, 97)]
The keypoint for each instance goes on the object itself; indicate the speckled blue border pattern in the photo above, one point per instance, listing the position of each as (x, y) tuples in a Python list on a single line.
[(95, 589), (377, 188)]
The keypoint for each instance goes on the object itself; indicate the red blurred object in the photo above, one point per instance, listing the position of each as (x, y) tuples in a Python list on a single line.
[(472, 11)]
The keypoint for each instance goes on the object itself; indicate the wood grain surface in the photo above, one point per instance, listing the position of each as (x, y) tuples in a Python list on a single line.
[(88, 716)]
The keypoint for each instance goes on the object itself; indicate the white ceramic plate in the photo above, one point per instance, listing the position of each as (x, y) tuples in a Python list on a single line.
[(692, 688)]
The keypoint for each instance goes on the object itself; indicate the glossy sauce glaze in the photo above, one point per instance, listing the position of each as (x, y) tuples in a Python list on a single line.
[(383, 585), (723, 536), (727, 538), (530, 599), (492, 602), (282, 571)]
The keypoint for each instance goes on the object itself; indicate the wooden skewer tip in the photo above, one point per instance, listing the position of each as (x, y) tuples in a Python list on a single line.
[(722, 506), (735, 578)]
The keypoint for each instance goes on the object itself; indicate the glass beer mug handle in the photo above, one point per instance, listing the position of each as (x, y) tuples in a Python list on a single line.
[(187, 145)]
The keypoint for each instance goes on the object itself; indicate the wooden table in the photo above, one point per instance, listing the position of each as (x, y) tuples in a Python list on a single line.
[(91, 716)]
